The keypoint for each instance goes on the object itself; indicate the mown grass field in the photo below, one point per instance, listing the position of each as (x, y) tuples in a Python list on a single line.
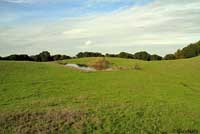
[(161, 97)]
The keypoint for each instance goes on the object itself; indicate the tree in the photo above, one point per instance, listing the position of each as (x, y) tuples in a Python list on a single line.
[(111, 55), (155, 57), (16, 57), (189, 51), (80, 55), (63, 57), (125, 55), (89, 54), (179, 54), (36, 58), (142, 55), (56, 57), (60, 57), (45, 56), (170, 57)]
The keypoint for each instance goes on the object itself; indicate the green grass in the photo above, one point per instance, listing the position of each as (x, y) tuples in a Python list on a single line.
[(162, 96)]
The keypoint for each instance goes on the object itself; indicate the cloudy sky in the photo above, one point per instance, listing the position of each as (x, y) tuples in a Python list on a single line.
[(71, 26)]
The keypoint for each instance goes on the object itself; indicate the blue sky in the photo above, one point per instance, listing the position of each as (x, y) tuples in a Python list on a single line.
[(21, 11), (70, 26)]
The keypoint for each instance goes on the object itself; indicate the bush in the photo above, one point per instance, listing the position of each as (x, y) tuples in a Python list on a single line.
[(100, 64)]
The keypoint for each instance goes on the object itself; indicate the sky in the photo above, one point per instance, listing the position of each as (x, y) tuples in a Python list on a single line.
[(107, 26)]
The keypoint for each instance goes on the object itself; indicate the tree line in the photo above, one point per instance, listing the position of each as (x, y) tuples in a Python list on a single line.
[(189, 51), (42, 57)]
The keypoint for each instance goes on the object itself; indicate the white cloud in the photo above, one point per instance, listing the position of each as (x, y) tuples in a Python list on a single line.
[(163, 24), (88, 43)]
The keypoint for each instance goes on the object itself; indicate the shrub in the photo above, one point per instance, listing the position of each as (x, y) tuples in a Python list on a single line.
[(100, 64)]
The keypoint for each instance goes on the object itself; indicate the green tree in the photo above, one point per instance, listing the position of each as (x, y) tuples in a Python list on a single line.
[(45, 56), (179, 54), (89, 54), (125, 55), (16, 57), (111, 55), (56, 57), (170, 57), (142, 55), (189, 51), (155, 57), (63, 57), (36, 58)]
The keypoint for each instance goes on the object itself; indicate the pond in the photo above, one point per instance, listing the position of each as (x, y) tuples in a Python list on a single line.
[(81, 67)]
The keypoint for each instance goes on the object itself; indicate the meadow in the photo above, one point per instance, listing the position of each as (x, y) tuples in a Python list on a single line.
[(48, 97)]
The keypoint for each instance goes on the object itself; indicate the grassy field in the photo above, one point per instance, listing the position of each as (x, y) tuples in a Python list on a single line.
[(160, 97)]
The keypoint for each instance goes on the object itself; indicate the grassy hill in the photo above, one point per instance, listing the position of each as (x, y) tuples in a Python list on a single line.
[(160, 97)]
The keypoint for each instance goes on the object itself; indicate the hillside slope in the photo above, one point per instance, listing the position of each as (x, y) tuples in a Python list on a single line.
[(162, 96)]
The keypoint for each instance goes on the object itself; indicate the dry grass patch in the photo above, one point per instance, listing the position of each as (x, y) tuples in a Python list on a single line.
[(100, 64), (41, 122)]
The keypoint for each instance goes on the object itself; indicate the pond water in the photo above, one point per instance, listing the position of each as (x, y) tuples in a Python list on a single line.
[(81, 67)]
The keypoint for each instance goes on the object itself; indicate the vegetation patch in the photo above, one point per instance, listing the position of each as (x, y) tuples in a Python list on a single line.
[(100, 64), (100, 102), (113, 120), (40, 122), (137, 67)]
